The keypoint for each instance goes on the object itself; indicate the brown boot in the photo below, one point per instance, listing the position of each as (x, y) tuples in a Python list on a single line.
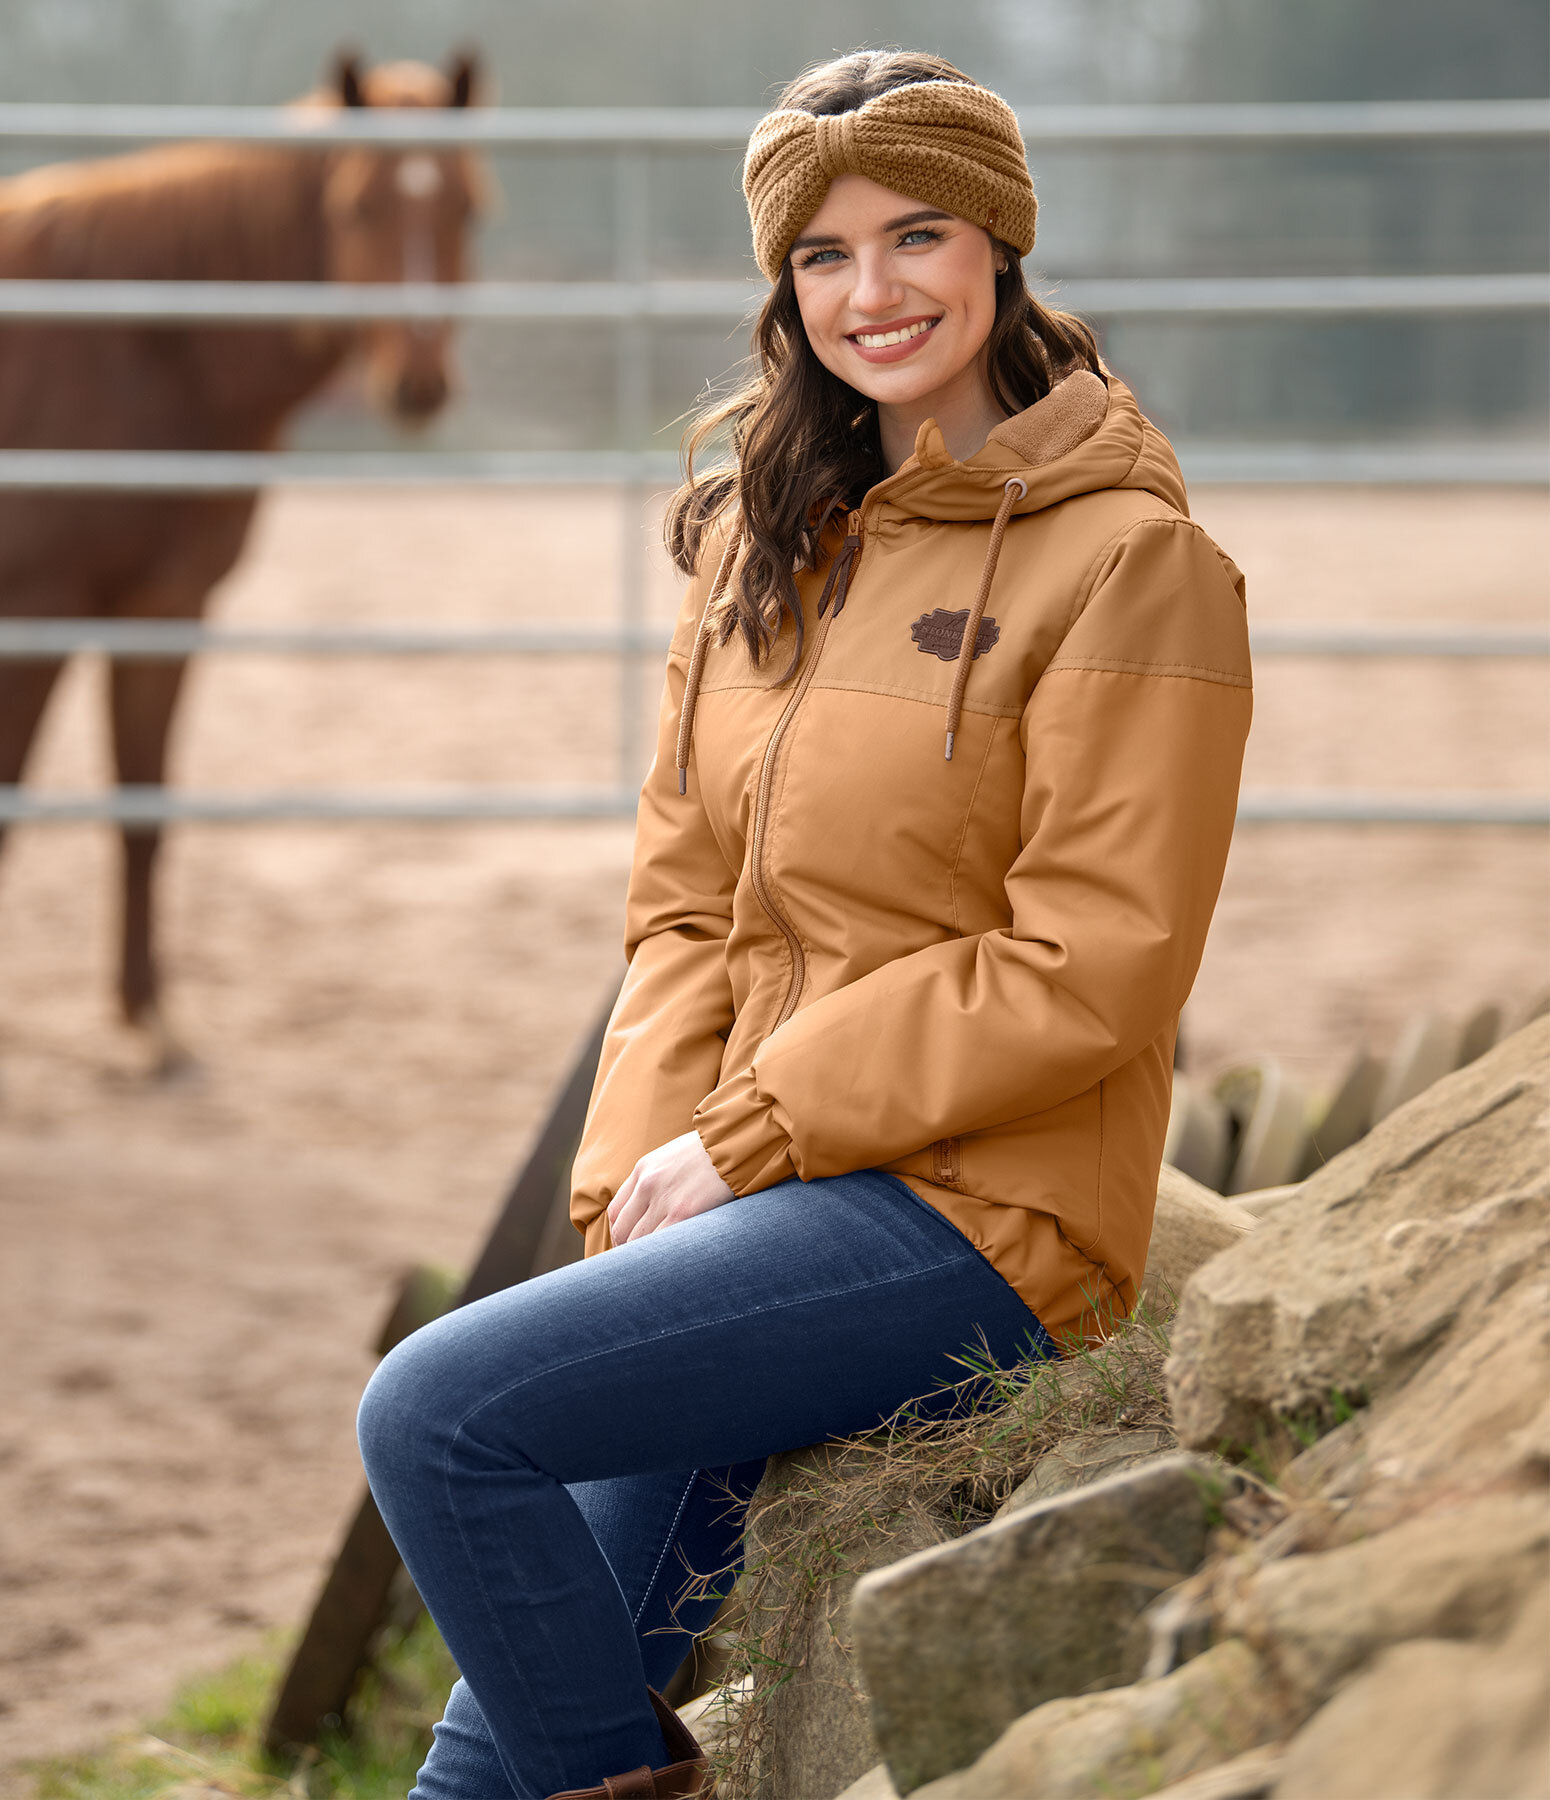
[(686, 1777)]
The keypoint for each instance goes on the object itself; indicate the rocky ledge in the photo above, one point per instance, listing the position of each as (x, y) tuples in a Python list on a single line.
[(1307, 1557)]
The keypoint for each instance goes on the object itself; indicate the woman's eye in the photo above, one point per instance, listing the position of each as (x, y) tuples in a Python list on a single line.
[(814, 257), (921, 234)]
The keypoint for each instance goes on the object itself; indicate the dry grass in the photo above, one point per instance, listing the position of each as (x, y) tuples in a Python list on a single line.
[(823, 1516)]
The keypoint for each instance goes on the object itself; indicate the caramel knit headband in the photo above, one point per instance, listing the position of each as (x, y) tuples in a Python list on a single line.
[(951, 144)]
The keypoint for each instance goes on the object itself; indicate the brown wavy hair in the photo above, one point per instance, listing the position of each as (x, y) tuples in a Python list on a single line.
[(805, 444)]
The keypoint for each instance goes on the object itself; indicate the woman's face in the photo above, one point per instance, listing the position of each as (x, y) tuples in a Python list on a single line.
[(897, 297)]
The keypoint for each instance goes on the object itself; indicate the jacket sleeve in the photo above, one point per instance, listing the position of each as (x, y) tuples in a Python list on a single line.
[(1133, 742), (662, 1051)]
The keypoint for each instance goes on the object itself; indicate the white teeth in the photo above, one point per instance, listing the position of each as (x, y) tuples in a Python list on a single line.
[(878, 340)]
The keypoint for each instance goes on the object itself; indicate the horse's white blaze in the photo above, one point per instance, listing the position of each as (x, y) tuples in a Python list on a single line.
[(419, 253), (417, 177)]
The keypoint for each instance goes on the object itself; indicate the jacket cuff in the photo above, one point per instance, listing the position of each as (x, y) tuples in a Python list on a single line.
[(742, 1137)]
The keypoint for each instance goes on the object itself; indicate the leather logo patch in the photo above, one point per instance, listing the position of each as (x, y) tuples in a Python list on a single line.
[(940, 633)]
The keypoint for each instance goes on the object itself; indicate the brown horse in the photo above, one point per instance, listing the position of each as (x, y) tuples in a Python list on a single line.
[(197, 212)]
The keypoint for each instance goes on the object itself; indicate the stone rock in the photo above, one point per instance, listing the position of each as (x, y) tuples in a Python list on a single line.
[(1251, 1776), (1457, 1572), (818, 1736), (713, 1716), (1085, 1457), (874, 1785), (1189, 1227), (1262, 1202), (1132, 1740), (1198, 1142), (1479, 1031), (958, 1641), (1419, 1227), (1429, 1047), (1347, 1115), (1270, 1110), (1434, 1721)]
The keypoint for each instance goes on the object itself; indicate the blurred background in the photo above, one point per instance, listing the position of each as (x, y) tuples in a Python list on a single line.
[(376, 1015), (1160, 210)]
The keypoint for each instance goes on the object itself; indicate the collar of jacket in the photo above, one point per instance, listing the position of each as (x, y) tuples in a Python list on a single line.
[(1086, 434)]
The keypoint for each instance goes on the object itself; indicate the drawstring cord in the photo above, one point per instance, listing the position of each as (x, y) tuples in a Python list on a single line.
[(833, 589), (971, 630), (697, 659)]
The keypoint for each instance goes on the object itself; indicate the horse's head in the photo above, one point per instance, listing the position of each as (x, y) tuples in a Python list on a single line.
[(403, 216)]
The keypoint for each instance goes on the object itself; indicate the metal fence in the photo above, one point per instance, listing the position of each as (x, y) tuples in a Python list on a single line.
[(631, 301)]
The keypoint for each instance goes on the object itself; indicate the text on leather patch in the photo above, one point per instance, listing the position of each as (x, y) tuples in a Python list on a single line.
[(940, 633)]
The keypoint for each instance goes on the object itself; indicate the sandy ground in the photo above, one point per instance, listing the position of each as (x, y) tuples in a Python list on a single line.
[(192, 1273)]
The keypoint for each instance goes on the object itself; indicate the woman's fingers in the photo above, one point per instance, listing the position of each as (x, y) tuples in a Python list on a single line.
[(620, 1201), (632, 1217), (675, 1182)]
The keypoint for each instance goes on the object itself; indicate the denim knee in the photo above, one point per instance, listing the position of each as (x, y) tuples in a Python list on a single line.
[(399, 1421)]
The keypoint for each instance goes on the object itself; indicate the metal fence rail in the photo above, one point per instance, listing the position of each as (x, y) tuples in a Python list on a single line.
[(1489, 464), (153, 639), (236, 302), (232, 471), (1280, 122), (472, 805)]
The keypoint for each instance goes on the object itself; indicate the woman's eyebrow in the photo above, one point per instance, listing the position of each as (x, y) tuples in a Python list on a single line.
[(914, 218)]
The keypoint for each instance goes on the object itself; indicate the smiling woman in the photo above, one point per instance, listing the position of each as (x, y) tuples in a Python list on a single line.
[(909, 927), (852, 257)]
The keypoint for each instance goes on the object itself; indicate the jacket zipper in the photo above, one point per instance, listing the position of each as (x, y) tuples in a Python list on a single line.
[(761, 886), (946, 1167)]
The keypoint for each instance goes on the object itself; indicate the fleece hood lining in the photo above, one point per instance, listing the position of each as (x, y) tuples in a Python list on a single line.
[(1086, 435)]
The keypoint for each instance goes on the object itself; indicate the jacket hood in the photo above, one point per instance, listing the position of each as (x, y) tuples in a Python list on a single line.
[(1086, 434)]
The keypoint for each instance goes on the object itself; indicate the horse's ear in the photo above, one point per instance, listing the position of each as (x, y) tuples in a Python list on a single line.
[(347, 79), (463, 78)]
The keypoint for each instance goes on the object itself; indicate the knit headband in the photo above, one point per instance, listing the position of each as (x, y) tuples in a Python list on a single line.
[(951, 144)]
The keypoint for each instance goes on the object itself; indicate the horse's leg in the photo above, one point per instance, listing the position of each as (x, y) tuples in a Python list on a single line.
[(143, 696), (26, 686), (24, 691)]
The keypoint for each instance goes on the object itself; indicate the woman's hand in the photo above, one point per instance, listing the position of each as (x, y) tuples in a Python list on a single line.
[(667, 1186)]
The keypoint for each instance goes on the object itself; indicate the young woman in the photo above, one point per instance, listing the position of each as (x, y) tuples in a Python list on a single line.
[(947, 770)]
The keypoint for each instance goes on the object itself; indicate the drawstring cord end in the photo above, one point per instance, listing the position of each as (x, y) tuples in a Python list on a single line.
[(697, 661), (1012, 491)]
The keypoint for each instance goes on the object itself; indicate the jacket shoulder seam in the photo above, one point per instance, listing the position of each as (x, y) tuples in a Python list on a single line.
[(1117, 665), (993, 708)]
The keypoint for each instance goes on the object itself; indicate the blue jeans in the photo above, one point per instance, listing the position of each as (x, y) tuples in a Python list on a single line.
[(559, 1461)]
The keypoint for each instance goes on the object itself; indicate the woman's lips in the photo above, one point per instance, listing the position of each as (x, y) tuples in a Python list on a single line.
[(889, 353)]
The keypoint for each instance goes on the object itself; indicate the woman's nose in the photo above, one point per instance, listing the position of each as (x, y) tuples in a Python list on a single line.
[(875, 288)]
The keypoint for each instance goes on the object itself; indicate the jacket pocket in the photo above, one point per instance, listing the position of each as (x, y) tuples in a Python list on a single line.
[(1048, 1162)]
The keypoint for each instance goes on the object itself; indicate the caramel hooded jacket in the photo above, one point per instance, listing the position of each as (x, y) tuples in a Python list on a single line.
[(848, 951)]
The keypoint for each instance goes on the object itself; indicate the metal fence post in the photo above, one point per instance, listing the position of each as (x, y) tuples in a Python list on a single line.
[(632, 200)]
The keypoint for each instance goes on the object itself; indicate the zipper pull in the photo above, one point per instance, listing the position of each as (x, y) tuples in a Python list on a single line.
[(845, 559)]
